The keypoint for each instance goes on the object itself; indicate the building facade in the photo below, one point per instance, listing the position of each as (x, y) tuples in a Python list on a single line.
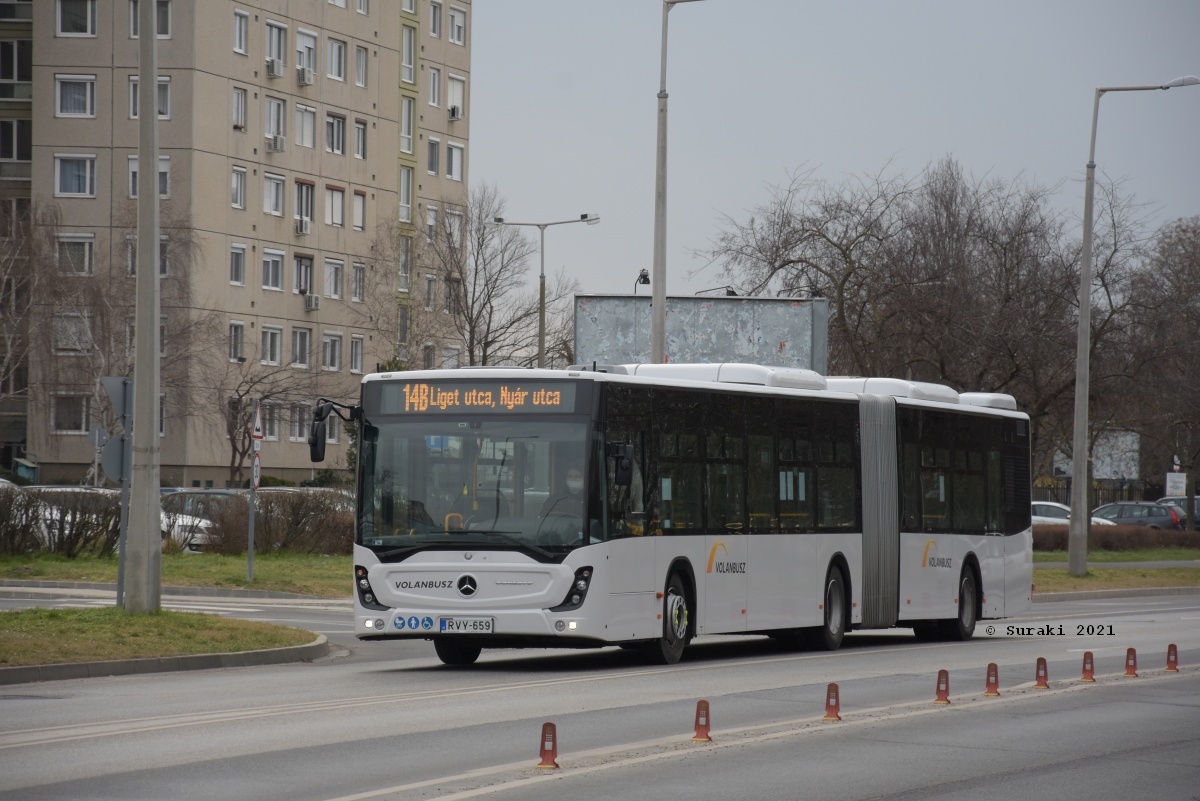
[(293, 177)]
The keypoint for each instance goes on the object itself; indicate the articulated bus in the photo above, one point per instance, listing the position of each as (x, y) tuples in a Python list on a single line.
[(644, 505)]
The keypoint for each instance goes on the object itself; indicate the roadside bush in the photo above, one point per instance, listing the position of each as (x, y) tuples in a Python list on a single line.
[(16, 517), (1115, 538), (68, 522), (308, 522)]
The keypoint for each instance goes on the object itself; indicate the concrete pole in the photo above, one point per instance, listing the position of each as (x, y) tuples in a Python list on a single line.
[(658, 282), (144, 559)]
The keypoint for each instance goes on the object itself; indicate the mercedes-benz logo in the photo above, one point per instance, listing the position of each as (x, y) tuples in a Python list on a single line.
[(467, 586)]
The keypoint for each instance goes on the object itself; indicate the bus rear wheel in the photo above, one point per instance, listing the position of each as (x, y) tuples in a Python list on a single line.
[(963, 627), (456, 652), (829, 635), (667, 649)]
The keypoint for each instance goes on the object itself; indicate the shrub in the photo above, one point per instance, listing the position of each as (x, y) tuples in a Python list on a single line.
[(304, 521), (1114, 538), (66, 521)]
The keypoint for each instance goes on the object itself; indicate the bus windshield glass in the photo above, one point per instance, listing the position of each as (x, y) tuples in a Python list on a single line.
[(446, 480)]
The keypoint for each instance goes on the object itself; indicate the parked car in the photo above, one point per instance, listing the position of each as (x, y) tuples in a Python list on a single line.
[(1050, 513), (1141, 513)]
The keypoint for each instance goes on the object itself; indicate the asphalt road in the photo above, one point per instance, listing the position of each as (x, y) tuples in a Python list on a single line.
[(386, 720)]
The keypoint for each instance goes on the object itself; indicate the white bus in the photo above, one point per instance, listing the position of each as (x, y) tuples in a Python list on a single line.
[(644, 505)]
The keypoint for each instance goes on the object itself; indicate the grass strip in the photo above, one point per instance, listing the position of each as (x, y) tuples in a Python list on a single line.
[(1056, 579), (51, 636)]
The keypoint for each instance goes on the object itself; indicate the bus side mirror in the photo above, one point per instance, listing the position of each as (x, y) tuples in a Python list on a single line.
[(622, 456), (316, 434)]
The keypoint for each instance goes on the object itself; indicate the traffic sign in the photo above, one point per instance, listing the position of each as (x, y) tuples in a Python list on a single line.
[(256, 470), (257, 431)]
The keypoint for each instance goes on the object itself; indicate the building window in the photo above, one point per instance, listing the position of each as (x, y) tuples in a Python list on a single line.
[(76, 18), (356, 354), (331, 434), (306, 50), (333, 278), (454, 229), (164, 98), (430, 291), (457, 34), (162, 18), (427, 357), (360, 139), (16, 68), (363, 6), (273, 194), (405, 199), (402, 325), (331, 352), (431, 217), (338, 3), (241, 32), (131, 254), (272, 345), (406, 124), (306, 126), (434, 148), (237, 264), (454, 162), (410, 6), (359, 216), (76, 95), (404, 265), (239, 108), (335, 211), (301, 347), (72, 334), (237, 190), (450, 357), (164, 176), (336, 64), (76, 253), (16, 140), (75, 176), (276, 109), (304, 201), (360, 66), (435, 86), (270, 421), (453, 287), (302, 271), (301, 414), (456, 93), (408, 55), (237, 337), (276, 42), (272, 277), (435, 19), (358, 282), (71, 413), (335, 134)]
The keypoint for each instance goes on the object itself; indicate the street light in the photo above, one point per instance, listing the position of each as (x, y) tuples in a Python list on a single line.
[(1080, 510), (590, 219), (658, 315), (643, 278)]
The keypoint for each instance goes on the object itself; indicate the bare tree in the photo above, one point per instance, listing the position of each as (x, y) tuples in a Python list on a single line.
[(27, 273)]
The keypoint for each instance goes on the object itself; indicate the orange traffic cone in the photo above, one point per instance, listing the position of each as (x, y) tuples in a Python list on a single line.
[(943, 687), (992, 690), (703, 722), (833, 706), (1131, 663), (1172, 659), (549, 746), (1042, 682), (1089, 667)]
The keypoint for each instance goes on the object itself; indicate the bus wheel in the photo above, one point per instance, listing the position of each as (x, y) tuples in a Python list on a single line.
[(829, 635), (667, 650), (961, 628), (456, 652)]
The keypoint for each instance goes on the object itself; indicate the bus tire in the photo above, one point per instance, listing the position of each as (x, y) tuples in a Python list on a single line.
[(667, 649), (963, 626), (829, 635), (456, 652)]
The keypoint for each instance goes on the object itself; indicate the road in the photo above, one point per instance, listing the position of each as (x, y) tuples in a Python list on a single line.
[(386, 720)]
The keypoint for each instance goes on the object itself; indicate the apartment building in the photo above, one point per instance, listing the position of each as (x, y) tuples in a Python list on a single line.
[(293, 177)]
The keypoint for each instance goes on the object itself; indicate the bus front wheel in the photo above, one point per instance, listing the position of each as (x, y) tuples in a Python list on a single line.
[(456, 652), (962, 627), (667, 649), (828, 636)]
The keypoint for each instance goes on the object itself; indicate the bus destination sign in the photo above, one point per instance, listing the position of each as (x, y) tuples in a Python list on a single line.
[(421, 397)]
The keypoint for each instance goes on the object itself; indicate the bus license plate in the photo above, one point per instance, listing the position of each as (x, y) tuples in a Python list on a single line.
[(466, 625)]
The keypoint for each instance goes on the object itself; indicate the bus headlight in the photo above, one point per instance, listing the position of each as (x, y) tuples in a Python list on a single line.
[(578, 591), (366, 595)]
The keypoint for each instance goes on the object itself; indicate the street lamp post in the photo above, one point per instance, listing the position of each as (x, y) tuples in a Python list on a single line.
[(658, 315), (590, 219), (1080, 509)]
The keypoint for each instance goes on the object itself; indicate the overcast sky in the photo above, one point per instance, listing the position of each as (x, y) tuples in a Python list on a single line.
[(563, 108)]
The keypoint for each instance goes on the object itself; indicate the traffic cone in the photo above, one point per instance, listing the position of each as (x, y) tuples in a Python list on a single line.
[(1131, 663), (1172, 659), (992, 690), (1042, 682), (1089, 667), (549, 746), (702, 723), (833, 706), (943, 687)]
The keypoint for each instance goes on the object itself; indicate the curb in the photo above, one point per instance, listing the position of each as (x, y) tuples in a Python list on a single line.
[(163, 664)]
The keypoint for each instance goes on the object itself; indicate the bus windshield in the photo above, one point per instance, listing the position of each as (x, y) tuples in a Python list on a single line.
[(450, 481)]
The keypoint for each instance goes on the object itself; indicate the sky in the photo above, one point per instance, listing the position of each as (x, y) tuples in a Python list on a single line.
[(563, 109)]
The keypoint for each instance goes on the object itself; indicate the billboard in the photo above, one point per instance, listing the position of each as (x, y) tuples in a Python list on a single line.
[(777, 332)]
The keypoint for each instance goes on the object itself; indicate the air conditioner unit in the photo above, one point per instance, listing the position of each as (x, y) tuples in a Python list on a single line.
[(312, 302), (276, 143), (305, 76), (274, 68), (456, 112), (303, 226)]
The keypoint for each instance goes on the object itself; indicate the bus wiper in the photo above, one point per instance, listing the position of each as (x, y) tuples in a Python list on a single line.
[(506, 535)]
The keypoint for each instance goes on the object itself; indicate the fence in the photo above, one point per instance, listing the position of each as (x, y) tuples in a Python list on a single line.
[(1103, 491)]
